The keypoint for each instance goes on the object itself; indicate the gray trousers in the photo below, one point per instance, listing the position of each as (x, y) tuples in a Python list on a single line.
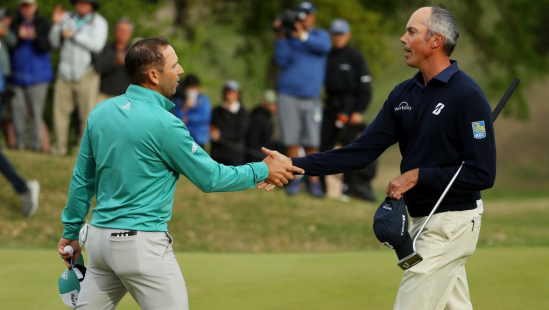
[(143, 264), (29, 98)]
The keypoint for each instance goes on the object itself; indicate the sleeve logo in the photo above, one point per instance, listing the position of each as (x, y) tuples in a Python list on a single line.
[(479, 130), (194, 148)]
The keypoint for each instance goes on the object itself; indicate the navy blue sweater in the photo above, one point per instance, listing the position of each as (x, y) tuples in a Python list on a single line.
[(437, 127)]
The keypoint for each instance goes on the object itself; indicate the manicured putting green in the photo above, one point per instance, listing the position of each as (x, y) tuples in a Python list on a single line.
[(500, 278)]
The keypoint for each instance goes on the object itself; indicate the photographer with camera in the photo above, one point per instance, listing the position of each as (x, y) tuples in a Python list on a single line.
[(301, 52)]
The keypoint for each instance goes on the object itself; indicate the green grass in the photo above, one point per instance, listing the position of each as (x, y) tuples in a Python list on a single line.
[(257, 221), (499, 278)]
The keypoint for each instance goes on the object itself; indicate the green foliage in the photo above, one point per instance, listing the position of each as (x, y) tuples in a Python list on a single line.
[(254, 19), (368, 29), (509, 35)]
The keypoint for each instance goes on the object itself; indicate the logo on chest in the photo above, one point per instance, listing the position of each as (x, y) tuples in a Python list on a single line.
[(438, 108), (403, 106), (345, 67)]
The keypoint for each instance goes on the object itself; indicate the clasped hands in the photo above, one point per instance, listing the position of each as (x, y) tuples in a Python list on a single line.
[(281, 170)]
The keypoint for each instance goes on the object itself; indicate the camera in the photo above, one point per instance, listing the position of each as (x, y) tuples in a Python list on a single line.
[(288, 19)]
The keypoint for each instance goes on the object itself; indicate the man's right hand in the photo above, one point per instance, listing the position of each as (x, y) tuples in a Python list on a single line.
[(66, 256), (276, 26), (58, 13), (280, 170)]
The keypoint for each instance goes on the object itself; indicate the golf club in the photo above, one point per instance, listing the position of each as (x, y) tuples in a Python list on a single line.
[(415, 258)]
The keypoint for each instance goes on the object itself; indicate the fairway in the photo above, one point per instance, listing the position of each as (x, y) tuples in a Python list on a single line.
[(500, 278)]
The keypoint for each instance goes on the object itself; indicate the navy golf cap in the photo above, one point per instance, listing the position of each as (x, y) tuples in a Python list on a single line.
[(391, 227), (306, 7), (339, 26)]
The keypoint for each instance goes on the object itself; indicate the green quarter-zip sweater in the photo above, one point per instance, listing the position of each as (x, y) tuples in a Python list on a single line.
[(131, 155)]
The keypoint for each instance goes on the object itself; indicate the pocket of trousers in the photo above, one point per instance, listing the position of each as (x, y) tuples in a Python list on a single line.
[(125, 254), (449, 225), (477, 220), (165, 244)]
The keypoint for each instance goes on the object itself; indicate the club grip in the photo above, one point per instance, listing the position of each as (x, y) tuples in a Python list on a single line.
[(505, 98)]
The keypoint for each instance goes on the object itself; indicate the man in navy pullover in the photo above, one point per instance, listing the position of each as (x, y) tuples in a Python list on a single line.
[(302, 57), (440, 118)]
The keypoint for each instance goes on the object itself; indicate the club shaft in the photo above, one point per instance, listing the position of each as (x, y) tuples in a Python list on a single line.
[(505, 98), (495, 114)]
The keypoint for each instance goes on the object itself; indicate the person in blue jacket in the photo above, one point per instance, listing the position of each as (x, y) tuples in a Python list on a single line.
[(194, 109), (31, 73), (301, 56)]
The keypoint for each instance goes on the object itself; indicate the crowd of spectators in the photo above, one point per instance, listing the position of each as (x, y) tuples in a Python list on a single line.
[(91, 70)]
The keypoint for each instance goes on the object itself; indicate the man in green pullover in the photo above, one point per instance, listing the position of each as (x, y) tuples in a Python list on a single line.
[(131, 155)]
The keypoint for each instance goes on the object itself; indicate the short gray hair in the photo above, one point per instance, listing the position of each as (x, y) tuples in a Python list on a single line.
[(127, 20), (442, 22)]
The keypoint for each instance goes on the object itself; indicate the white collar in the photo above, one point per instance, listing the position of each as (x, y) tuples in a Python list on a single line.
[(233, 108)]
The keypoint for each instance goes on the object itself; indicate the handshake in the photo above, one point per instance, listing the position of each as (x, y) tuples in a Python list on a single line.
[(281, 170)]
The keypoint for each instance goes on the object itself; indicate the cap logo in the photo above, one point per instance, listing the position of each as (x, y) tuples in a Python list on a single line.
[(65, 275), (387, 207), (403, 225)]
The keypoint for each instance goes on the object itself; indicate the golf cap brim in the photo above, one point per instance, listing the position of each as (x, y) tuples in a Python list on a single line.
[(391, 227)]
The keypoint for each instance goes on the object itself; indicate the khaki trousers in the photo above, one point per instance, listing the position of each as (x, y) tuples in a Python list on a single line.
[(439, 282), (143, 264), (81, 94)]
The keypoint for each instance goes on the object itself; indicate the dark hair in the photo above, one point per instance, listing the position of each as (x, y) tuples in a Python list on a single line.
[(143, 55), (225, 89), (191, 80)]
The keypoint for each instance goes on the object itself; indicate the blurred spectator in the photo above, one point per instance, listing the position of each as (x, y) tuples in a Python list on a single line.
[(348, 90), (347, 85), (194, 109), (228, 127), (110, 63), (301, 55), (31, 73), (81, 35), (7, 41), (260, 132), (28, 191), (356, 183)]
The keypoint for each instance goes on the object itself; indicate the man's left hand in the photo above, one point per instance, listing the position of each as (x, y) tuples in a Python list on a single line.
[(402, 184)]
